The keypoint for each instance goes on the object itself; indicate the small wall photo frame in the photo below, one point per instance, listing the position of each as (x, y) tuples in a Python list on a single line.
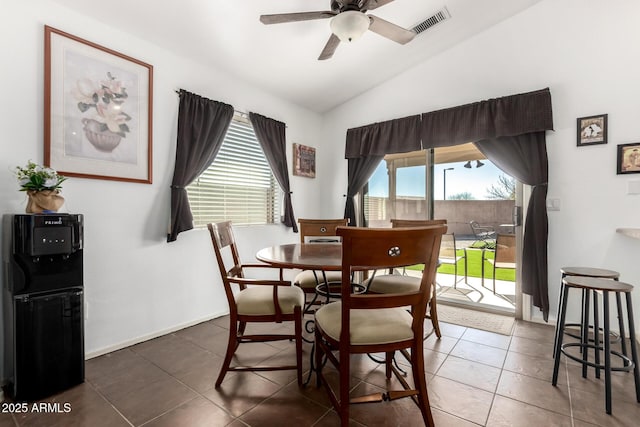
[(304, 161), (628, 158), (592, 130), (98, 110)]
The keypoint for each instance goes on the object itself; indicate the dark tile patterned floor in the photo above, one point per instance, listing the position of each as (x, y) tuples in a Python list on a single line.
[(474, 378)]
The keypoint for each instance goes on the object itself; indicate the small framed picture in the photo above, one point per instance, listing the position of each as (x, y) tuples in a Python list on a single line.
[(592, 130), (304, 161), (629, 158)]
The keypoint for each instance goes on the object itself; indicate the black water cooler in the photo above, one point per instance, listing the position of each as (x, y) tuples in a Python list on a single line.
[(43, 304)]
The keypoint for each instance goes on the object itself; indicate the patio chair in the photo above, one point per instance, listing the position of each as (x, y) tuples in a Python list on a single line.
[(482, 233), (505, 256), (449, 255)]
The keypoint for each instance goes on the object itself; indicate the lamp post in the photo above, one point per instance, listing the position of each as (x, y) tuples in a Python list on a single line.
[(444, 183)]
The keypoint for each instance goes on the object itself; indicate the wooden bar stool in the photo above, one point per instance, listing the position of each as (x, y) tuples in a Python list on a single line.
[(597, 273), (597, 286)]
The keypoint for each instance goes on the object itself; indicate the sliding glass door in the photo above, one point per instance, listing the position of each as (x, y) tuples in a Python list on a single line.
[(460, 185)]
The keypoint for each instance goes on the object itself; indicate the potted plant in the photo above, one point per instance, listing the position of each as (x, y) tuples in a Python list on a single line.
[(42, 185)]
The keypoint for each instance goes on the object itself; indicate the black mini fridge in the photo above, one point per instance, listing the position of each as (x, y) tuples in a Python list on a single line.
[(43, 304)]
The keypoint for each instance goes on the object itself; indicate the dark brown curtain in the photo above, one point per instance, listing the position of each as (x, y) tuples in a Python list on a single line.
[(393, 136), (367, 145), (359, 171), (271, 135), (202, 125), (525, 158)]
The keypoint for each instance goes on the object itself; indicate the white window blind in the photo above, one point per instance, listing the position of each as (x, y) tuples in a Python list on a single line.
[(239, 185)]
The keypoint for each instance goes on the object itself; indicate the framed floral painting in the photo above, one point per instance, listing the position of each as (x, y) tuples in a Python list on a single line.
[(98, 110)]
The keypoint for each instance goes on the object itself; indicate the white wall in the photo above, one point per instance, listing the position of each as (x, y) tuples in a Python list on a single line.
[(136, 284), (585, 52)]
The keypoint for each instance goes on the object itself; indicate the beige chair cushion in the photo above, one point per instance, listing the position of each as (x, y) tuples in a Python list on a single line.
[(376, 326), (393, 284), (258, 300), (306, 279)]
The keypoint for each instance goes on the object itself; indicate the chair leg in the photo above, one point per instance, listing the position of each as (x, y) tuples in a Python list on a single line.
[(419, 378), (241, 328), (387, 364), (232, 345), (318, 356), (466, 277), (345, 366), (298, 331), (433, 313), (455, 274), (494, 278), (482, 269)]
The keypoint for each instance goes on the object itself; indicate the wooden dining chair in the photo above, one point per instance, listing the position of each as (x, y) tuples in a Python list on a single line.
[(274, 301), (394, 282), (367, 323), (317, 231)]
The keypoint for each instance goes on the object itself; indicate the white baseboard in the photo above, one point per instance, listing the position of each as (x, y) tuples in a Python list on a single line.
[(138, 340)]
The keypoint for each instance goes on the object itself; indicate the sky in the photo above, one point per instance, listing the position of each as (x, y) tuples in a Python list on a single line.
[(411, 180)]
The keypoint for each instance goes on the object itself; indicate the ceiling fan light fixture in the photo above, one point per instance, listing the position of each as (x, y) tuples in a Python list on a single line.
[(350, 25)]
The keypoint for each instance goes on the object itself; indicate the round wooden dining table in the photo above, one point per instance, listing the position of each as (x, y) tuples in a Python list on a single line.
[(305, 256)]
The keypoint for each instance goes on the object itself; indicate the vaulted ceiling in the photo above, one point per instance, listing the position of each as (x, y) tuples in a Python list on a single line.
[(282, 58)]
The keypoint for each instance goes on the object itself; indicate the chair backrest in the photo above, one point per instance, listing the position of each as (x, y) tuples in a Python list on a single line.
[(379, 248), (224, 245), (399, 223), (320, 230), (505, 248), (448, 245)]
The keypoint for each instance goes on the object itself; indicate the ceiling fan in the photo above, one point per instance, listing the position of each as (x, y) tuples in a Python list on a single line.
[(348, 22)]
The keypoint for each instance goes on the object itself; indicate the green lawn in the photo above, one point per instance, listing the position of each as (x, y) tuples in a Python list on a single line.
[(475, 267)]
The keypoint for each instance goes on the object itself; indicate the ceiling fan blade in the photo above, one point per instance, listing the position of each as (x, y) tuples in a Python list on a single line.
[(329, 48), (390, 31), (374, 4), (281, 18)]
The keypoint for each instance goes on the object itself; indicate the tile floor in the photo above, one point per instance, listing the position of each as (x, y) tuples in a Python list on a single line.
[(475, 378)]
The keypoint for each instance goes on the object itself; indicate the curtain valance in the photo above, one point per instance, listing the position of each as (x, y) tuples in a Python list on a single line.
[(377, 139), (507, 116)]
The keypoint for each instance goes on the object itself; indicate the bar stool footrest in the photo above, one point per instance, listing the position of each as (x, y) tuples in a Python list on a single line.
[(614, 336), (625, 359)]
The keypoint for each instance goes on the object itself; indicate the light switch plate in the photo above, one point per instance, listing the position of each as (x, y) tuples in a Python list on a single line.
[(634, 187)]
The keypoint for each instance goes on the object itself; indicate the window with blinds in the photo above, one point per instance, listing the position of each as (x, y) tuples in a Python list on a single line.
[(239, 185)]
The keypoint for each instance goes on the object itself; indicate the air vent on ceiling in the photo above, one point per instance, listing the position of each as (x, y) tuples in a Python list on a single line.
[(442, 15)]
